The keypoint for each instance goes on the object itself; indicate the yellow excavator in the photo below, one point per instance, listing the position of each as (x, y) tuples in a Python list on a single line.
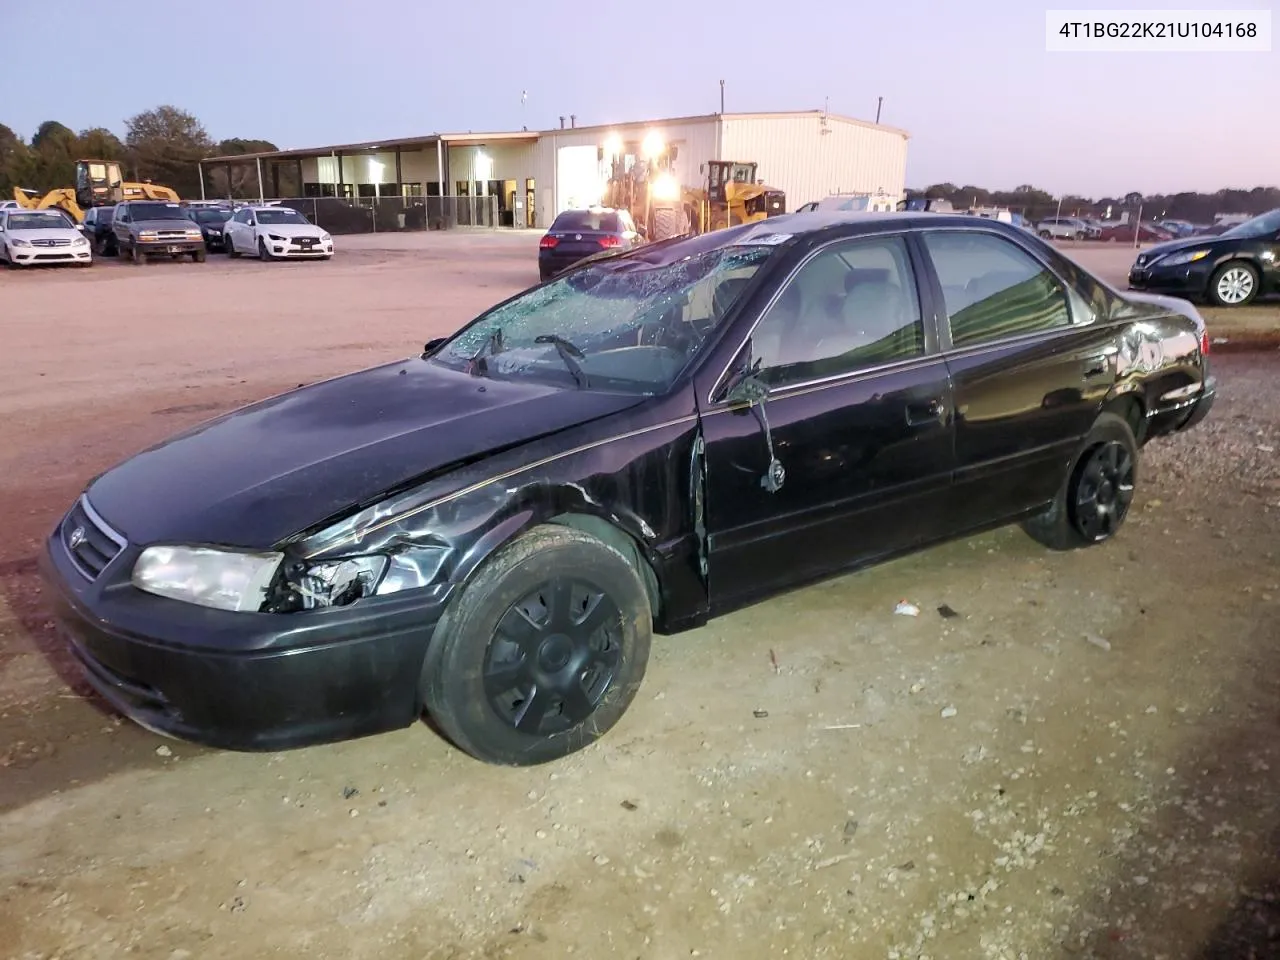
[(98, 184), (651, 192)]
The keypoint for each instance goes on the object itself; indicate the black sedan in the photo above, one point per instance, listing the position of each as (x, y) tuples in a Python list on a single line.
[(212, 222), (1228, 270), (577, 234), (492, 530)]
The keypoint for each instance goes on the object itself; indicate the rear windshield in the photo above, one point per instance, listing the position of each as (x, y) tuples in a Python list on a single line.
[(588, 220)]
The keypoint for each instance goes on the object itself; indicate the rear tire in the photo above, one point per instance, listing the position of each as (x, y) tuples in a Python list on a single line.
[(1098, 490), (1044, 234), (542, 651)]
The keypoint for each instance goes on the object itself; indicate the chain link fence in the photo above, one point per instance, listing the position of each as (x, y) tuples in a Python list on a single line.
[(346, 215)]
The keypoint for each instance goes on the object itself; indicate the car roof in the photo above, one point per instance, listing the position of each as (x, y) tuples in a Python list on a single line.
[(788, 228)]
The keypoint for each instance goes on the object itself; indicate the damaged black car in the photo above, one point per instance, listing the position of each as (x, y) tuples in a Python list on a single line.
[(491, 532)]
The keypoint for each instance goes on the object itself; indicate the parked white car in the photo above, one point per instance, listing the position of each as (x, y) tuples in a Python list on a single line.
[(274, 232), (35, 237)]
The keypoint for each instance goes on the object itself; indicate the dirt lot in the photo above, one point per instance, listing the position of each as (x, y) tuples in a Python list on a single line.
[(1083, 763)]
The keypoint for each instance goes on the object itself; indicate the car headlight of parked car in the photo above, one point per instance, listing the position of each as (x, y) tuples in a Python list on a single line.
[(79, 242), (251, 582), (274, 237), (19, 243), (325, 238), (1186, 256)]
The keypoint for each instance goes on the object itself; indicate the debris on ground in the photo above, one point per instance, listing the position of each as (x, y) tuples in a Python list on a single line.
[(906, 609), (947, 612), (1102, 643), (949, 712), (163, 751), (759, 714)]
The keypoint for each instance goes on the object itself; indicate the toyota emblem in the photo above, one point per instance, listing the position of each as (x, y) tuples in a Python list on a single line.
[(77, 537)]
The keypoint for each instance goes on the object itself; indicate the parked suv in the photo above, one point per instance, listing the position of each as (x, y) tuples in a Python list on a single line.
[(1064, 228), (153, 228)]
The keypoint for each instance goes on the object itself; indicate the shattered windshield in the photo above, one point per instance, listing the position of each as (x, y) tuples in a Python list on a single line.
[(625, 325)]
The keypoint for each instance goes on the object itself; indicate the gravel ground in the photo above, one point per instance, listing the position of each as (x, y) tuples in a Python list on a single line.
[(1081, 763)]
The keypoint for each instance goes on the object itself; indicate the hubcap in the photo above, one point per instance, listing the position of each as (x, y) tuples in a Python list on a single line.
[(1104, 491), (1235, 285), (553, 657)]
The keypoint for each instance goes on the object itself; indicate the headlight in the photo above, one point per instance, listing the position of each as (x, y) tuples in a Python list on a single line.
[(147, 235), (325, 238), (19, 243), (215, 233), (1186, 256), (666, 187), (79, 242), (274, 237), (222, 579), (330, 583), (194, 235)]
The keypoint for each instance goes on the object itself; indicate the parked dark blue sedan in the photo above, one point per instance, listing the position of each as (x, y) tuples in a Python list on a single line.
[(578, 234)]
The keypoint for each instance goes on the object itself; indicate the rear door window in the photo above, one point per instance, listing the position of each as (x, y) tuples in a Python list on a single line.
[(993, 289)]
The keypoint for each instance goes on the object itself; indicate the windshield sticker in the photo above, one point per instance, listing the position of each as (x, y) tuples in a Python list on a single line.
[(768, 240)]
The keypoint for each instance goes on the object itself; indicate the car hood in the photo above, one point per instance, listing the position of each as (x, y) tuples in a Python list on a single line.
[(1181, 243), (291, 229), (266, 472), (50, 233)]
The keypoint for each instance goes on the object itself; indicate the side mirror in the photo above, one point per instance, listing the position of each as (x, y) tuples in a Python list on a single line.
[(431, 346), (748, 389)]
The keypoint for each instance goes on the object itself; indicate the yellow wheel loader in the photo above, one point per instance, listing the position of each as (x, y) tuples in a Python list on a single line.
[(98, 184)]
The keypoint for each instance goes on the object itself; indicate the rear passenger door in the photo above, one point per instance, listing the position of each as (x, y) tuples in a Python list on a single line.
[(858, 418), (1029, 364)]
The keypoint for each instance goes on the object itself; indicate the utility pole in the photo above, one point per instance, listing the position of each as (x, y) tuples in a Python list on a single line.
[(722, 98), (879, 104)]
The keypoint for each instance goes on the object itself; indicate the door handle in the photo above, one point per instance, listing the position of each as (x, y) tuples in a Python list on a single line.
[(919, 414)]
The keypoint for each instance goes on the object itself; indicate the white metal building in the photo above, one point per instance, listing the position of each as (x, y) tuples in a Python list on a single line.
[(535, 175)]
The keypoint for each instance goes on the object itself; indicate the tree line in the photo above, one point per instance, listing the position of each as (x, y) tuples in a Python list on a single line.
[(161, 145), (1036, 204)]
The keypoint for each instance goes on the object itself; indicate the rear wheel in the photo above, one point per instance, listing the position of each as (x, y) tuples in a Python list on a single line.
[(542, 652), (1095, 497), (1233, 284), (1045, 234)]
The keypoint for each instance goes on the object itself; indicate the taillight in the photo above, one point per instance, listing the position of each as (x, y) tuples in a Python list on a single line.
[(548, 243), (608, 241), (1204, 344)]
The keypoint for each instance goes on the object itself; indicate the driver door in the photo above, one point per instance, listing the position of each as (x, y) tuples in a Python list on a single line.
[(859, 416)]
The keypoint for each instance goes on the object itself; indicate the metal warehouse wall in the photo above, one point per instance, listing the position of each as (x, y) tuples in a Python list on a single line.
[(797, 156), (696, 141)]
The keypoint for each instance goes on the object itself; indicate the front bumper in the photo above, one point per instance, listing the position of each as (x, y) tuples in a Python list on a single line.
[(159, 248), (244, 681), (291, 248), (35, 256), (1187, 280)]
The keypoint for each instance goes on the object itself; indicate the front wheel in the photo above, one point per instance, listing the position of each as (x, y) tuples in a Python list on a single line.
[(1094, 499), (1045, 234), (1233, 284), (263, 254), (542, 652), (137, 254), (198, 256)]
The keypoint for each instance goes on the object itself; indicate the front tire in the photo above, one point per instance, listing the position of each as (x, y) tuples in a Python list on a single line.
[(1233, 284), (136, 254), (263, 254), (542, 652), (198, 256), (1045, 235), (1095, 498)]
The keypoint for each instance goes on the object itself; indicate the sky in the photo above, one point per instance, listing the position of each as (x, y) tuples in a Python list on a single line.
[(983, 101)]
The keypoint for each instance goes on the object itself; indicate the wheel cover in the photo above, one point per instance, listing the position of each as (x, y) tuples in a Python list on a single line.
[(1235, 285), (553, 657), (1104, 491)]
